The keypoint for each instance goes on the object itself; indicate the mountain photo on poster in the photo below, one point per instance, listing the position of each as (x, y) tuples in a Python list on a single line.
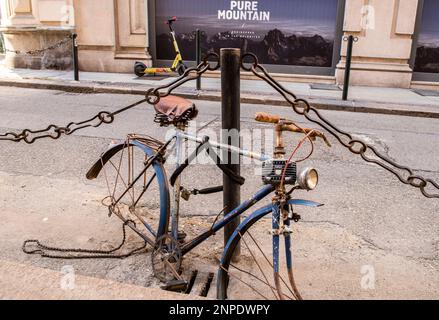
[(427, 54), (279, 32)]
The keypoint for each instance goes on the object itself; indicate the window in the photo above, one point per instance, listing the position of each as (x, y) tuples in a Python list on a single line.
[(280, 32)]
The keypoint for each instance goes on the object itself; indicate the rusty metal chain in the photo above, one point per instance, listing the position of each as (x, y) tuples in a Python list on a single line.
[(67, 39), (367, 152), (153, 96), (76, 253), (55, 132)]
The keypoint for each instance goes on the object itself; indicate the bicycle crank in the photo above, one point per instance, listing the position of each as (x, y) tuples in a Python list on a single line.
[(166, 259)]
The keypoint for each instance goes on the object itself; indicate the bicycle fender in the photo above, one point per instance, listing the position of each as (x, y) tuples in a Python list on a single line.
[(258, 214), (245, 225), (306, 203), (94, 171)]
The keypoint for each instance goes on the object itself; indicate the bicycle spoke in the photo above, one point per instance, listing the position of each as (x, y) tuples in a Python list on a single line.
[(259, 279), (145, 188), (118, 176), (144, 176), (131, 169), (248, 285), (118, 169), (132, 185), (261, 284), (257, 263), (271, 265), (107, 181)]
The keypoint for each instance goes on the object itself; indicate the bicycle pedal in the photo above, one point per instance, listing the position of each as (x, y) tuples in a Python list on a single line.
[(185, 194), (181, 236), (175, 286)]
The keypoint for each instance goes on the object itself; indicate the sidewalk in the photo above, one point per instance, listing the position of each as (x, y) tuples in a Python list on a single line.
[(25, 282), (418, 103)]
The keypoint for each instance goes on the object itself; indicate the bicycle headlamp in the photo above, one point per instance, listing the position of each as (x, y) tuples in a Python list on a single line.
[(308, 179)]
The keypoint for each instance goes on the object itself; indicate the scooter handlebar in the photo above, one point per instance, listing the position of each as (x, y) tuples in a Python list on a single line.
[(170, 21)]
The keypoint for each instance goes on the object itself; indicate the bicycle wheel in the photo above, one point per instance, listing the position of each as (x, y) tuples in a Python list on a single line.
[(139, 69), (137, 186), (264, 269)]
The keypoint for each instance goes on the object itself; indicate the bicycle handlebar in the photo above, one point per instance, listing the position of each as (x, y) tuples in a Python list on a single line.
[(267, 118), (290, 126)]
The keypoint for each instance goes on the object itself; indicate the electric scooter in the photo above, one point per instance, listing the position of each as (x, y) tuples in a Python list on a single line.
[(140, 69)]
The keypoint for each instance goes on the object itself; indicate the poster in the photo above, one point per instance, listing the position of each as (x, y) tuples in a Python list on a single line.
[(427, 54), (279, 32)]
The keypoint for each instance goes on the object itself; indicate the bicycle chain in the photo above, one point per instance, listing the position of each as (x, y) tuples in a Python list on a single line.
[(91, 254), (303, 108), (35, 52)]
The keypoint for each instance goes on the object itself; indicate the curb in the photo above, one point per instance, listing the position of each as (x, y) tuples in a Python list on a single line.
[(421, 111), (26, 282)]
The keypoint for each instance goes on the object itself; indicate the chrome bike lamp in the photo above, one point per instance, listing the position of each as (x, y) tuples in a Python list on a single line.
[(308, 179)]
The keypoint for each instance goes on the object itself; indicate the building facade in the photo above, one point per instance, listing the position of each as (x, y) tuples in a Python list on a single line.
[(397, 41)]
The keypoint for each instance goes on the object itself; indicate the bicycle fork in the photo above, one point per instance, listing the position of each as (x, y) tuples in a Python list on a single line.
[(281, 226)]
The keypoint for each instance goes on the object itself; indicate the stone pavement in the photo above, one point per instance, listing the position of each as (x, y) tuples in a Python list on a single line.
[(408, 102), (25, 282)]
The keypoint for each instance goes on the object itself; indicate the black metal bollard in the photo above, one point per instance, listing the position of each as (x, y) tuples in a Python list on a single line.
[(198, 54), (231, 122), (75, 56), (347, 74)]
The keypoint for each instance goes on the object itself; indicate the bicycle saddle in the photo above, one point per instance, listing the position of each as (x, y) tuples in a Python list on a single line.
[(174, 110)]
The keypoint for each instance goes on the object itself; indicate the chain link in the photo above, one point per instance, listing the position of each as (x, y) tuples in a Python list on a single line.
[(55, 132), (67, 39), (367, 152), (153, 96)]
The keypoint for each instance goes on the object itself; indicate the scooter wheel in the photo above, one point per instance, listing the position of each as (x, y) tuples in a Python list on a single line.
[(181, 69), (139, 69)]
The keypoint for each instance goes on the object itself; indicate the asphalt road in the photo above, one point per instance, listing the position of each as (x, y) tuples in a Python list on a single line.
[(369, 218)]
